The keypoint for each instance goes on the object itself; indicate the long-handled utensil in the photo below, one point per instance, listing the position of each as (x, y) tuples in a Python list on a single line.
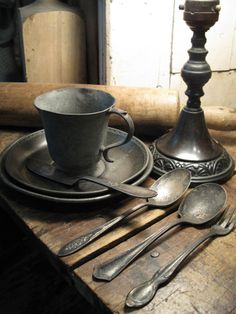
[(201, 205), (170, 187), (49, 171), (144, 293)]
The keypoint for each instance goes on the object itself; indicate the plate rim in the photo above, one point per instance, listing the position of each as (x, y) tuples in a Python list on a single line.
[(71, 201), (74, 194)]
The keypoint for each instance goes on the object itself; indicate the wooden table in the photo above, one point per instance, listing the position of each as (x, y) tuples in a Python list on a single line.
[(206, 284)]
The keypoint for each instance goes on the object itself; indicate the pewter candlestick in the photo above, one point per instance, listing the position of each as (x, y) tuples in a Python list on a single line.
[(189, 145)]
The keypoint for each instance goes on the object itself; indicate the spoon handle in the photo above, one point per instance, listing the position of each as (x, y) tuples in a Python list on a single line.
[(80, 242), (111, 268), (50, 172), (142, 294), (128, 189)]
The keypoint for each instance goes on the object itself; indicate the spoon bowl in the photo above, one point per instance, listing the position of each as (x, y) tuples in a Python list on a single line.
[(170, 187), (203, 203)]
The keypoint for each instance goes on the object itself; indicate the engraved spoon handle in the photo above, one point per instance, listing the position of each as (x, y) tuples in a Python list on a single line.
[(144, 293), (80, 242), (110, 269)]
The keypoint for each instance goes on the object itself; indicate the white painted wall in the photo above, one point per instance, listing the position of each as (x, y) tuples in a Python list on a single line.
[(147, 43), (136, 56), (220, 39)]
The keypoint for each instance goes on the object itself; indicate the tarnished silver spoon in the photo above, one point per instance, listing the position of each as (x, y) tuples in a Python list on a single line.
[(169, 187), (201, 205), (143, 293)]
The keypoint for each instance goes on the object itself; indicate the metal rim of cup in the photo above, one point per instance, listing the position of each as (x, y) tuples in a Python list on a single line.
[(39, 102)]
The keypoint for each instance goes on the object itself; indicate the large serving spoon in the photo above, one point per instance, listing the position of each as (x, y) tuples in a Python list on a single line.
[(51, 172), (201, 205), (170, 187)]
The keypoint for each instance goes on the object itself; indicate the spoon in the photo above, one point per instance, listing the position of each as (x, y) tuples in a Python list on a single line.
[(201, 205), (51, 172), (170, 187), (144, 292)]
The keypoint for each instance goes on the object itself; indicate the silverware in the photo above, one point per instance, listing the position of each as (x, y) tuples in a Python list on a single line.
[(144, 293), (201, 205), (170, 188), (51, 172)]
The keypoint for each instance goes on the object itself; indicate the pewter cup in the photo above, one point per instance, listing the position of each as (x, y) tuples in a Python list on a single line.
[(76, 123)]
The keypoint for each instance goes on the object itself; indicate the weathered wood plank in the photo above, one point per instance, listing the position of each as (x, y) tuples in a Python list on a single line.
[(56, 228), (206, 284)]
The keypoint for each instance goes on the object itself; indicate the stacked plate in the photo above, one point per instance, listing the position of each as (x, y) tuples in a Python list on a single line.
[(132, 163)]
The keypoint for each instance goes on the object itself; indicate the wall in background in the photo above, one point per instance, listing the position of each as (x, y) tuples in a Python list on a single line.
[(147, 43)]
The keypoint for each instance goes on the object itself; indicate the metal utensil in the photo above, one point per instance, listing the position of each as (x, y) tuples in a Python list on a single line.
[(144, 293), (201, 205), (170, 188), (51, 172)]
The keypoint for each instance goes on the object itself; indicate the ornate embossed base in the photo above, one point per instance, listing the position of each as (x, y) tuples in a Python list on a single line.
[(216, 170)]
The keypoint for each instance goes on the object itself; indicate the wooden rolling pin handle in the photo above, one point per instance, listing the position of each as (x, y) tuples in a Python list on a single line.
[(220, 118)]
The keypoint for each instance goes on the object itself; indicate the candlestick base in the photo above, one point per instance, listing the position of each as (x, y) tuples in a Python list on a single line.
[(190, 146), (216, 170)]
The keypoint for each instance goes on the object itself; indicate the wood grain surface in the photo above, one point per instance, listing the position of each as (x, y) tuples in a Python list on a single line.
[(161, 105), (150, 108), (53, 43), (206, 284)]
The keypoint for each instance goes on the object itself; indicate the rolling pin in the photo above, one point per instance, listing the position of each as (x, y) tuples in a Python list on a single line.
[(150, 108)]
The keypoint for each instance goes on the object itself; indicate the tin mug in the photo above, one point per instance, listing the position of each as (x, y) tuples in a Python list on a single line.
[(75, 121)]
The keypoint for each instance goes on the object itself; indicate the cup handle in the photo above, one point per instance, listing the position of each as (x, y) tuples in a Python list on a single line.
[(126, 117)]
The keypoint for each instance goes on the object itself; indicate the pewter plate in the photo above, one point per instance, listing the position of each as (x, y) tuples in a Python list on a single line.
[(6, 179), (129, 162)]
